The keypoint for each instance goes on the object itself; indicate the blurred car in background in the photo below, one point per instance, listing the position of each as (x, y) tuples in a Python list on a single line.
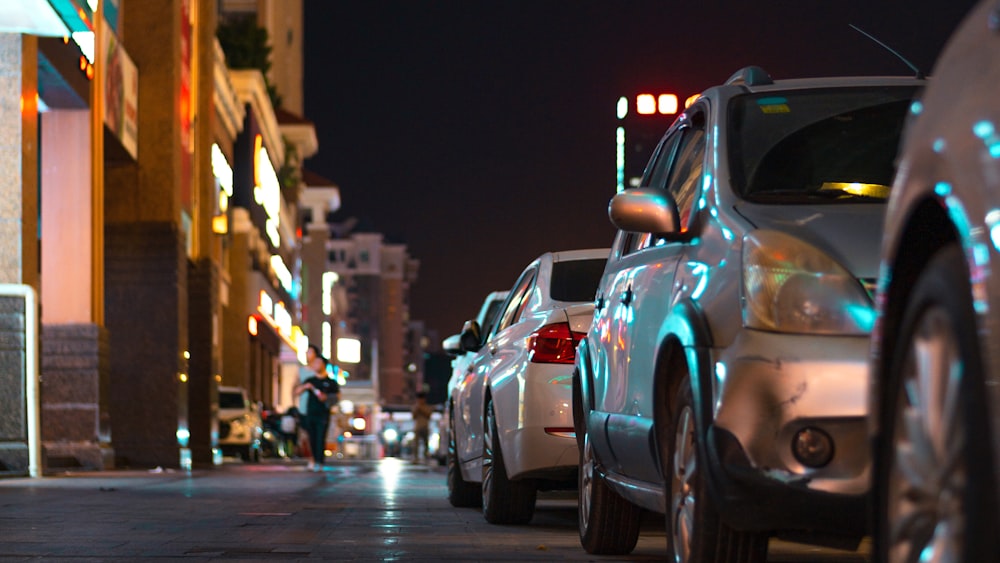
[(511, 413), (459, 366), (935, 385), (240, 424), (722, 382)]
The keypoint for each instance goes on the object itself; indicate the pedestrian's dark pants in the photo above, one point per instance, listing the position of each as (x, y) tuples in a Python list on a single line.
[(315, 427)]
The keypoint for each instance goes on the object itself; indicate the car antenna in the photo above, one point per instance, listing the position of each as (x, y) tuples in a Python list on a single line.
[(912, 66)]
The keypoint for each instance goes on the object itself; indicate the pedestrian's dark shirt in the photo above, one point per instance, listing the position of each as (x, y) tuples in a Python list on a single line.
[(328, 386)]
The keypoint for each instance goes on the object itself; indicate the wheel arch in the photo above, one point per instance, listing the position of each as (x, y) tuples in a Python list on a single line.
[(684, 349), (927, 229), (583, 392)]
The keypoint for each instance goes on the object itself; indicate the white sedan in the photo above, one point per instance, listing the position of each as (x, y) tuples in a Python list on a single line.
[(512, 412)]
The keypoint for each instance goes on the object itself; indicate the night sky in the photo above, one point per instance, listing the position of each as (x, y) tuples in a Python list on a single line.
[(481, 133)]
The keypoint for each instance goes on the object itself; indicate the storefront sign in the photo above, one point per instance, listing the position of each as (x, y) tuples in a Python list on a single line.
[(267, 190), (121, 94)]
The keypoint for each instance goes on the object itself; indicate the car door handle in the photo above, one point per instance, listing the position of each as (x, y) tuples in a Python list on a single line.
[(627, 296)]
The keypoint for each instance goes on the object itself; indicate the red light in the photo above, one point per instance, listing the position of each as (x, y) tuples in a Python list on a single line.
[(553, 344), (645, 104), (667, 104)]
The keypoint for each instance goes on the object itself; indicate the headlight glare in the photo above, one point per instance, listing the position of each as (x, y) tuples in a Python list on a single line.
[(791, 286)]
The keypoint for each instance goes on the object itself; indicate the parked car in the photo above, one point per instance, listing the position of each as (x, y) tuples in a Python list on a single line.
[(459, 367), (722, 382), (240, 424), (935, 385), (511, 412)]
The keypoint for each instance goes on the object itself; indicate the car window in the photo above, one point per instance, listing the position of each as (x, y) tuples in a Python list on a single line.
[(231, 400), (686, 175), (517, 300), (656, 173), (576, 280), (491, 315), (635, 241), (816, 146)]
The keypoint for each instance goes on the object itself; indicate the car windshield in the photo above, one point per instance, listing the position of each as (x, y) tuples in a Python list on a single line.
[(817, 146), (576, 280), (229, 400)]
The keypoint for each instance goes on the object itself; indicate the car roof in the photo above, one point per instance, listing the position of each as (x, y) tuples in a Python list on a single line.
[(581, 254), (753, 79)]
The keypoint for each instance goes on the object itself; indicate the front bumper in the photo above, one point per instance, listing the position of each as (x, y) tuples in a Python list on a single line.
[(767, 387)]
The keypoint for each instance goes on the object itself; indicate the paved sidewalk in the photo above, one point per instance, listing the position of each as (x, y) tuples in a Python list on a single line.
[(387, 510)]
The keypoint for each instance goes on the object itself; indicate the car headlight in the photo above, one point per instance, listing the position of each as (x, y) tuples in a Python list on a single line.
[(791, 286)]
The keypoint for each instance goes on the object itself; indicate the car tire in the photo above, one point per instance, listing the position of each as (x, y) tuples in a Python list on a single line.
[(461, 493), (934, 477), (609, 524), (695, 532), (504, 501)]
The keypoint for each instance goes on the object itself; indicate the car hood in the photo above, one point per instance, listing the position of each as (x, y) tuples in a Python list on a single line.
[(227, 414), (849, 233)]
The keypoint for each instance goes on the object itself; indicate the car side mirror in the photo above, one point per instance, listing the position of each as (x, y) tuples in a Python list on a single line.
[(452, 345), (644, 210), (471, 338)]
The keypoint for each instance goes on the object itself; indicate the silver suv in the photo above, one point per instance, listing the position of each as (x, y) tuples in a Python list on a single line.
[(722, 382)]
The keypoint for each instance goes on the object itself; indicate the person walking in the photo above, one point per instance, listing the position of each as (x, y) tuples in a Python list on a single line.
[(305, 372), (323, 393), (421, 426)]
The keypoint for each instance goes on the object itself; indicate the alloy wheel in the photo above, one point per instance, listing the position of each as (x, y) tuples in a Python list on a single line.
[(682, 488), (586, 482), (928, 474), (488, 452)]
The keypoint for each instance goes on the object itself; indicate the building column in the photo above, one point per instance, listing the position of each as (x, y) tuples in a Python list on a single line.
[(18, 246), (146, 249), (74, 363)]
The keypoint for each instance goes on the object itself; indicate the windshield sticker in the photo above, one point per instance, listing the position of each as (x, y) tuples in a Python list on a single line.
[(773, 105)]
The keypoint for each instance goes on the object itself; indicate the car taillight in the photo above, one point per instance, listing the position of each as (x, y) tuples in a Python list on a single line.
[(553, 344)]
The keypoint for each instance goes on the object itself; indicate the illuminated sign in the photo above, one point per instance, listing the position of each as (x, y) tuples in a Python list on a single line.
[(282, 273), (267, 190), (329, 278), (327, 338), (265, 304), (275, 314), (282, 319), (349, 350), (222, 171)]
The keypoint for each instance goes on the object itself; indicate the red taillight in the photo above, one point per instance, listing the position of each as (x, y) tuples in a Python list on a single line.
[(553, 344)]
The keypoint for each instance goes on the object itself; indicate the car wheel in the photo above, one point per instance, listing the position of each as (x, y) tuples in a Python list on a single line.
[(935, 483), (461, 493), (694, 530), (504, 501), (609, 524)]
